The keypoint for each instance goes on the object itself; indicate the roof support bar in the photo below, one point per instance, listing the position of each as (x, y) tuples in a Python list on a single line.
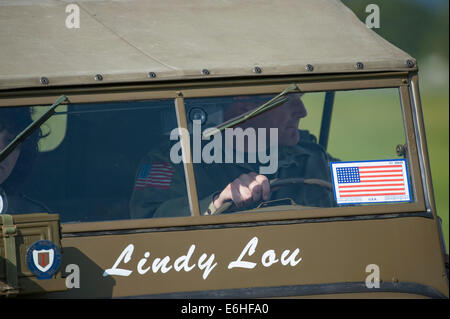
[(326, 119), (187, 157)]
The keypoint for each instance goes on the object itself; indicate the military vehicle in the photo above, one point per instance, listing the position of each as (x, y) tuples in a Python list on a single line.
[(126, 193)]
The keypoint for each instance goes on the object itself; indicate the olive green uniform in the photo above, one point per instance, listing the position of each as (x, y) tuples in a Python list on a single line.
[(307, 159)]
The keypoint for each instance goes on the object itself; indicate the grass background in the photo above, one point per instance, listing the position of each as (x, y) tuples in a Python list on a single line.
[(435, 108)]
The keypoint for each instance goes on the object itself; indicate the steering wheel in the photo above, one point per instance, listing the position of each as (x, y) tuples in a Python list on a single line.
[(282, 182)]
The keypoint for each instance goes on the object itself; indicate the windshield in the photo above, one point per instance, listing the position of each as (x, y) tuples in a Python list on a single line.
[(84, 159), (122, 160), (275, 159)]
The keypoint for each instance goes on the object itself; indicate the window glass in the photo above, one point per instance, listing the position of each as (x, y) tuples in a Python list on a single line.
[(122, 160), (53, 130), (366, 125), (107, 161), (290, 167)]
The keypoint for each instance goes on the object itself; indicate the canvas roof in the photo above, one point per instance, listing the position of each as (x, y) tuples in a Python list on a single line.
[(124, 40)]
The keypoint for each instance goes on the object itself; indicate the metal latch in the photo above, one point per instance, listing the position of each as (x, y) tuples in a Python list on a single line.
[(9, 232)]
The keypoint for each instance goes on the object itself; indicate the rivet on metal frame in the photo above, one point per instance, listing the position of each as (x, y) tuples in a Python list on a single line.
[(151, 74), (309, 67), (44, 80), (359, 65), (98, 77), (410, 63), (205, 72), (257, 69)]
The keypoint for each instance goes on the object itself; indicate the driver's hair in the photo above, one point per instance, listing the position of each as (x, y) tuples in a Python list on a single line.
[(243, 103), (14, 121)]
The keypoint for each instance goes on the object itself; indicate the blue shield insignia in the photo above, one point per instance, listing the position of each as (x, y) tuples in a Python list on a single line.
[(43, 258)]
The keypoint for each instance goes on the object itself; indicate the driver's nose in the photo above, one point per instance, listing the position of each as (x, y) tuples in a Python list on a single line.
[(298, 109)]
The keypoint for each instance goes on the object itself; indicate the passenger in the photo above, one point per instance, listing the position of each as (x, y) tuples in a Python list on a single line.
[(15, 168), (299, 155)]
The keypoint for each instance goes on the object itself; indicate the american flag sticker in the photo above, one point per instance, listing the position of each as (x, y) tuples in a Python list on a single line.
[(370, 182), (155, 175)]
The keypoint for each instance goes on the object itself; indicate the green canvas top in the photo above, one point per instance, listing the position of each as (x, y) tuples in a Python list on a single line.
[(124, 40)]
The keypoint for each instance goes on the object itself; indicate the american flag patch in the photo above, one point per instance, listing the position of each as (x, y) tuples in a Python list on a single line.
[(370, 182), (155, 175)]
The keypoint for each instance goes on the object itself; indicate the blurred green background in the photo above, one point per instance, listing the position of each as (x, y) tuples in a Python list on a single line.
[(420, 28)]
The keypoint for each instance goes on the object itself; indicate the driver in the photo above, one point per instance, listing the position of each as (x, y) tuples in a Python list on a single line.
[(299, 155)]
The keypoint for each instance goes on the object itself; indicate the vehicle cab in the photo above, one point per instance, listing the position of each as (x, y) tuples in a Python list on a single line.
[(132, 146)]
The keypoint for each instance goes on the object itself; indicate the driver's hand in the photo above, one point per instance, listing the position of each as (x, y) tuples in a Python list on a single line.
[(245, 190)]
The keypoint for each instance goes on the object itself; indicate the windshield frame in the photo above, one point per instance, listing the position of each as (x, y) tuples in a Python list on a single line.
[(195, 89)]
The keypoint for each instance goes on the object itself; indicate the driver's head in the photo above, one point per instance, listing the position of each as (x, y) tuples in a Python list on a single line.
[(285, 118), (17, 165)]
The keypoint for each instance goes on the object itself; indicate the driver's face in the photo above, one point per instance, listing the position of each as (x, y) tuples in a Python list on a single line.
[(285, 118), (7, 165)]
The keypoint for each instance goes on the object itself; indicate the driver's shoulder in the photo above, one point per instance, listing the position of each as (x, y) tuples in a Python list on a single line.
[(308, 144), (307, 137)]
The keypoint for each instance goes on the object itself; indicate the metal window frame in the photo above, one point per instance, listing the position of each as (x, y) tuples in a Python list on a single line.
[(187, 157), (189, 89)]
